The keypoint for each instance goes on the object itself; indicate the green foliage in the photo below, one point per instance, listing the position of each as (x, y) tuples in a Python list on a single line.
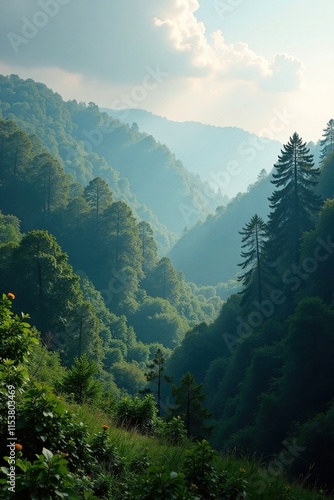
[(172, 431), (45, 366), (17, 338), (201, 472), (255, 279), (293, 203), (9, 229), (160, 483), (136, 413), (45, 478), (155, 375), (189, 398), (106, 453), (128, 376), (43, 420), (327, 143), (80, 382)]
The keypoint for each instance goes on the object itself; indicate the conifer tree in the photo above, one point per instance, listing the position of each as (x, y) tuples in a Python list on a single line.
[(254, 236), (98, 196), (155, 374), (189, 398), (293, 203), (327, 143), (148, 246)]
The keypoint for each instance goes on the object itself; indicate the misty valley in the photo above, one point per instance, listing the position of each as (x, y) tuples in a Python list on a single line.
[(166, 310)]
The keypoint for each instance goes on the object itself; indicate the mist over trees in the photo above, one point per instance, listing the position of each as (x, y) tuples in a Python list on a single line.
[(240, 355)]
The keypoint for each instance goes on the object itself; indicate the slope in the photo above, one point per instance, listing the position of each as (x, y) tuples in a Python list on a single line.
[(228, 158), (209, 253), (139, 171)]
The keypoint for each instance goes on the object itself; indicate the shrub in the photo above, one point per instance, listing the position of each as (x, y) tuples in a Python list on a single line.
[(136, 413), (173, 432)]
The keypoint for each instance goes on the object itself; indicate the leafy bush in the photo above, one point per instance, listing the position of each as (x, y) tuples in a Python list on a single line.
[(201, 472), (79, 380), (45, 478), (44, 421), (162, 484), (173, 431), (106, 453), (136, 413)]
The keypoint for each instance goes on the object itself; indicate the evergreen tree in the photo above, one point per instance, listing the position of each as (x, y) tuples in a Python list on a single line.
[(254, 236), (15, 157), (189, 398), (293, 203), (98, 196), (80, 380), (327, 143), (155, 374), (148, 246), (163, 281), (44, 281), (50, 187)]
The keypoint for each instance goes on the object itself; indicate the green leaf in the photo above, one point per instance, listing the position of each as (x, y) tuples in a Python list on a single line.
[(47, 453)]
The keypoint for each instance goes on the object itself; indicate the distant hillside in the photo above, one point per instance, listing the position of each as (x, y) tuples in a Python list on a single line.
[(210, 252), (228, 158), (88, 143)]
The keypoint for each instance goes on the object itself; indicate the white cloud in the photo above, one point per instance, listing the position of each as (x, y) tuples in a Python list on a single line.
[(101, 51)]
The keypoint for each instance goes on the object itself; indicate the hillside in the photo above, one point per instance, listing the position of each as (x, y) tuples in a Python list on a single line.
[(216, 241), (138, 170), (228, 158)]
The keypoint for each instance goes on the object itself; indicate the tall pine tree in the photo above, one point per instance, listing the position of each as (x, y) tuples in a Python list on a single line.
[(293, 202), (255, 279), (327, 143)]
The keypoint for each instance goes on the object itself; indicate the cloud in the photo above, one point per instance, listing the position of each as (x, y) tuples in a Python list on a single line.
[(117, 41), (286, 73)]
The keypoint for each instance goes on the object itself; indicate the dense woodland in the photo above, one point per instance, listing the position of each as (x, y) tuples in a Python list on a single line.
[(241, 356)]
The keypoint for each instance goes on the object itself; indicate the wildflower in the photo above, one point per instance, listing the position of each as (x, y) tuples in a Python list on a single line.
[(18, 447), (11, 296), (105, 427)]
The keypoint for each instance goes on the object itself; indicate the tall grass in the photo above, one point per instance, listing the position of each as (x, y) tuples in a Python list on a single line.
[(261, 484)]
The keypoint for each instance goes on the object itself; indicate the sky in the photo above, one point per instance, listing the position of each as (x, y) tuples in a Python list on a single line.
[(267, 67)]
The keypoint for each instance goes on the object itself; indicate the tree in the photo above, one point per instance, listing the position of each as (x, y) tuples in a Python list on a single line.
[(15, 156), (49, 187), (254, 236), (317, 247), (325, 187), (80, 381), (44, 281), (121, 229), (293, 203), (155, 374), (9, 229), (98, 196), (189, 399), (148, 246), (163, 281), (327, 143)]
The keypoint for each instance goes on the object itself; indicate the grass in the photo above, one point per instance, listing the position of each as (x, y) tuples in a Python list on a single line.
[(262, 484)]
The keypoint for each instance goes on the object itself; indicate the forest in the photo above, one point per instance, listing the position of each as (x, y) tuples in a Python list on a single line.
[(156, 339)]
